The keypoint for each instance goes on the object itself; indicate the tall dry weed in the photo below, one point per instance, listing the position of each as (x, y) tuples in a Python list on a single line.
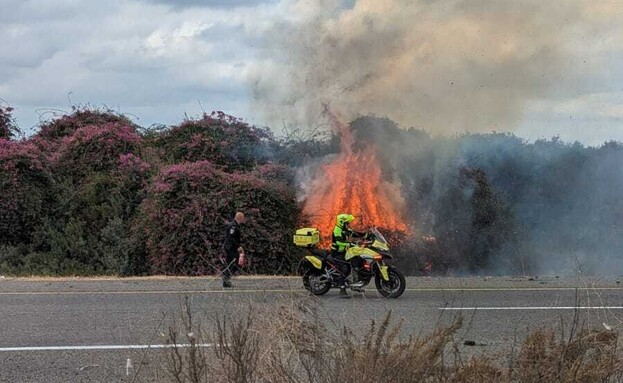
[(292, 342)]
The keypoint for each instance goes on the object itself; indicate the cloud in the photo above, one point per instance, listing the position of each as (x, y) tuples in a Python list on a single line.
[(134, 56), (591, 118), (597, 106)]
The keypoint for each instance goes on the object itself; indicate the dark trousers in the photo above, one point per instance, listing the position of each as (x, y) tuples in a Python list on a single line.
[(230, 264), (342, 264), (346, 266)]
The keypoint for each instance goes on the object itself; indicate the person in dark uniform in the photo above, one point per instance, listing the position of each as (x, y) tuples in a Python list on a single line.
[(232, 249)]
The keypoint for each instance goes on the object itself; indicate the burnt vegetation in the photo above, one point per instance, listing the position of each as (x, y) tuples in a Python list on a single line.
[(495, 203), (91, 192)]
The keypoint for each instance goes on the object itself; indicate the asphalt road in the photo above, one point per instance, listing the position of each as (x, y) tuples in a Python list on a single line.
[(96, 330)]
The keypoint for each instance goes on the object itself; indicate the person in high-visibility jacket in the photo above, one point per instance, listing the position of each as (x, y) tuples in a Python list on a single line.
[(340, 242)]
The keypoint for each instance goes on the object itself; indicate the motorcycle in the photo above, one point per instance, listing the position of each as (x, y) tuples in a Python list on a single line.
[(321, 272)]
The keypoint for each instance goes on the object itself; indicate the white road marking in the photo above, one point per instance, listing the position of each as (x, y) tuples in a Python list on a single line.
[(533, 308), (128, 367), (103, 347), (150, 292), (513, 288)]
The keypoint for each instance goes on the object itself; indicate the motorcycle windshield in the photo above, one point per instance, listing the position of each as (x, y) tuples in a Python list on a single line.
[(378, 235)]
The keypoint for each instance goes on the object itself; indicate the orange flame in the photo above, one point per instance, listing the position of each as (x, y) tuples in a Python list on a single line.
[(352, 183)]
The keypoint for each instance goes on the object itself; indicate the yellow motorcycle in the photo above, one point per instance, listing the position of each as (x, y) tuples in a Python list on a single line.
[(321, 272)]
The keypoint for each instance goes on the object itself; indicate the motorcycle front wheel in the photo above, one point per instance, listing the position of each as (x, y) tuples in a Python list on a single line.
[(392, 288), (317, 284)]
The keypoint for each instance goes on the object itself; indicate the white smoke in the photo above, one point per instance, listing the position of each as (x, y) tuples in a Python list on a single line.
[(444, 66)]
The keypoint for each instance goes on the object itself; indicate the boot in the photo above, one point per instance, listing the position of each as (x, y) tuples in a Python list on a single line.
[(357, 282), (344, 293)]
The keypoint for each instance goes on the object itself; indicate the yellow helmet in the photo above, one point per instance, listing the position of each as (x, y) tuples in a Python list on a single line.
[(344, 218)]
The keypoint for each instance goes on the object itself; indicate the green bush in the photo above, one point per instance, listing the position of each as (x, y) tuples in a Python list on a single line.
[(8, 127)]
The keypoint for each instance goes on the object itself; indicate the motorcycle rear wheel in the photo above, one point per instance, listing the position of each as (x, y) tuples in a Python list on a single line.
[(317, 284), (394, 287)]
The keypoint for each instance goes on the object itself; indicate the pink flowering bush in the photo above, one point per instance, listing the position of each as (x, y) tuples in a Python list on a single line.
[(96, 179), (91, 194), (188, 206), (96, 148), (101, 168), (24, 183), (224, 140), (80, 118), (132, 163)]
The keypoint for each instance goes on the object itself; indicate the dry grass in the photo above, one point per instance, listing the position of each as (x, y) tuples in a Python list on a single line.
[(590, 356), (292, 344)]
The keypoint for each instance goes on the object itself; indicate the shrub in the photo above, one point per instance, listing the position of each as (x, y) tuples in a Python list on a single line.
[(67, 124), (298, 147), (24, 190), (224, 140), (188, 206), (96, 148), (8, 127), (98, 178)]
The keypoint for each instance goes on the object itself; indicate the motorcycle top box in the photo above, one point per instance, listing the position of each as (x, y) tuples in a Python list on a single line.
[(306, 237)]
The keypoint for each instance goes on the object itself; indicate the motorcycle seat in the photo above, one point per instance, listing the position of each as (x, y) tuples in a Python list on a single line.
[(325, 255), (319, 252)]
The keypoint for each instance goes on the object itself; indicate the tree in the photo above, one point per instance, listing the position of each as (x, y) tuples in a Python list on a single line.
[(8, 127)]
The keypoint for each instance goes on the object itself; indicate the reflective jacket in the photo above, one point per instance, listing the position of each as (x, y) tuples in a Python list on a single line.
[(339, 239)]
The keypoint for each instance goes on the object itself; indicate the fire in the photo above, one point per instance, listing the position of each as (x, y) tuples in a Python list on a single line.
[(353, 183)]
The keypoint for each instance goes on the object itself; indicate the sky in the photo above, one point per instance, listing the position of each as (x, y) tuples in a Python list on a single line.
[(537, 69)]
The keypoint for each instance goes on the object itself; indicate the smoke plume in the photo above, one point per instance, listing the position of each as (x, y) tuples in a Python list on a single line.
[(479, 202), (442, 66)]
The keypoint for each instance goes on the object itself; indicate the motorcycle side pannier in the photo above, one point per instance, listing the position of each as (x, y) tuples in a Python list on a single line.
[(306, 237)]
